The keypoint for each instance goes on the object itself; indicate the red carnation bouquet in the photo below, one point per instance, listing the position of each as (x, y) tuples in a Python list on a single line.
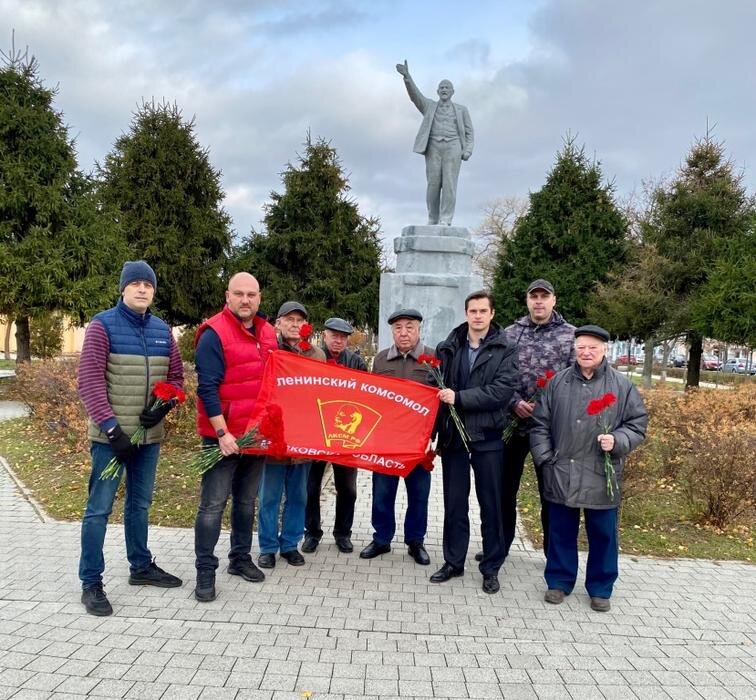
[(541, 383), (164, 393), (434, 365), (305, 332), (268, 434), (595, 408)]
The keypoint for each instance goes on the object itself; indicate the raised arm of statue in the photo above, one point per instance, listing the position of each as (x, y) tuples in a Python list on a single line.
[(418, 99)]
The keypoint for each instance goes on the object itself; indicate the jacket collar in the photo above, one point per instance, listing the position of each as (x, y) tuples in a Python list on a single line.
[(393, 352), (598, 373), (133, 316)]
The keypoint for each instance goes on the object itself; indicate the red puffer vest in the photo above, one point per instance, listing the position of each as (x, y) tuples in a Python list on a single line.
[(245, 356)]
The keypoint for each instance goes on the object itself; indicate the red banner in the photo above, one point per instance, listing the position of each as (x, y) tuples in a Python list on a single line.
[(351, 417)]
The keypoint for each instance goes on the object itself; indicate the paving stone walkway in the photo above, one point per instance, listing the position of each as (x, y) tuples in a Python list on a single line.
[(341, 627)]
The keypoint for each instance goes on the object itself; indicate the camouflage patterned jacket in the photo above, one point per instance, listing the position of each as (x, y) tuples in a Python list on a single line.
[(540, 347)]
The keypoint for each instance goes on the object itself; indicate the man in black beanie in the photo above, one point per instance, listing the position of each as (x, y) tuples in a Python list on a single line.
[(126, 351)]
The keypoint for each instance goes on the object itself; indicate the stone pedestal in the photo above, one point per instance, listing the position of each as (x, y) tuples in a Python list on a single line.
[(433, 275)]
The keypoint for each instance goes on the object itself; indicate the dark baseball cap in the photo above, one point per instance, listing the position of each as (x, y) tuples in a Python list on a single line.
[(595, 331), (413, 314), (288, 306), (339, 325), (541, 284)]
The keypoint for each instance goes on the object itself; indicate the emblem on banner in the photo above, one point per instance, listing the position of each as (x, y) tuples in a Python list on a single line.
[(347, 423)]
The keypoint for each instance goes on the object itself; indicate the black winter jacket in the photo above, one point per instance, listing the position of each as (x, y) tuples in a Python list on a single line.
[(483, 404)]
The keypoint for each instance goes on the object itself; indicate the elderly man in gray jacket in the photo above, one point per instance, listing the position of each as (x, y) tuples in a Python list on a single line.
[(587, 411)]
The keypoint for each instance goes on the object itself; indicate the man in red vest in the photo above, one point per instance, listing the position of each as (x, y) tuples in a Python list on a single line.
[(231, 349)]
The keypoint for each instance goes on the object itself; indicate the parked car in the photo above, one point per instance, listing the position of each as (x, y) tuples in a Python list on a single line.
[(710, 362), (677, 361), (622, 360), (735, 364)]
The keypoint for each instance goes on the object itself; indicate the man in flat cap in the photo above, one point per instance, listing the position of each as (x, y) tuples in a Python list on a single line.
[(231, 351), (336, 332), (545, 341), (586, 411), (126, 351), (285, 478), (401, 360)]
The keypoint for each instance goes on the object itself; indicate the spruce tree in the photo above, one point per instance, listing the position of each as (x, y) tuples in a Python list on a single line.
[(572, 235), (56, 251), (702, 216), (168, 202), (317, 248)]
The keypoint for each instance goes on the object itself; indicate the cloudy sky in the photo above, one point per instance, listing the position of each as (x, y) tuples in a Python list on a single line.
[(635, 81)]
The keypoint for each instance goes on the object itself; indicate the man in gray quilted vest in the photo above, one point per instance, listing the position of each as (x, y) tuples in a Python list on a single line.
[(126, 351)]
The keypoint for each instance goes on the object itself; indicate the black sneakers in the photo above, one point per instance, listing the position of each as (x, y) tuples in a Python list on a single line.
[(153, 575), (95, 601), (246, 569), (204, 591)]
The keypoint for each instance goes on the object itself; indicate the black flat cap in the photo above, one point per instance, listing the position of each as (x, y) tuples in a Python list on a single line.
[(595, 331), (288, 306), (339, 325), (540, 284), (413, 314)]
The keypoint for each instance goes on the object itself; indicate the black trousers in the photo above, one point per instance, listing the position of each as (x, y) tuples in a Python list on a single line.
[(488, 468), (345, 480), (515, 453)]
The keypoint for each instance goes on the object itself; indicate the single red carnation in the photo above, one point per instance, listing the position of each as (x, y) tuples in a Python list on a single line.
[(595, 407), (541, 382), (304, 345), (305, 331), (180, 396), (549, 373), (609, 399)]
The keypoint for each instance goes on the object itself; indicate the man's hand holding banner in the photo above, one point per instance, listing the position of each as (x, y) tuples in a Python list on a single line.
[(356, 418)]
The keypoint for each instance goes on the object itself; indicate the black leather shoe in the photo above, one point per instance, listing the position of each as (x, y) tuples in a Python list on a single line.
[(310, 544), (293, 557), (446, 572), (344, 544), (266, 561), (246, 569), (95, 601), (204, 590), (490, 583), (417, 552), (153, 575), (374, 549), (479, 556)]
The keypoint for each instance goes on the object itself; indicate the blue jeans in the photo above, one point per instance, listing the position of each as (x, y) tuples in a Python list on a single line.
[(279, 480), (140, 483), (417, 483), (562, 554), (238, 476)]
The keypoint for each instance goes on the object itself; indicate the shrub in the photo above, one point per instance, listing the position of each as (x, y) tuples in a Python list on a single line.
[(705, 440), (46, 335), (186, 343), (49, 390)]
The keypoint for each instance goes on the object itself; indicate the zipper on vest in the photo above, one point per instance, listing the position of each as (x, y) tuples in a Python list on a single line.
[(147, 368)]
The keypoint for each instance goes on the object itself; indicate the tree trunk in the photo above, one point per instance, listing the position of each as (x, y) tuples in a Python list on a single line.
[(23, 345), (648, 361), (6, 343), (695, 340)]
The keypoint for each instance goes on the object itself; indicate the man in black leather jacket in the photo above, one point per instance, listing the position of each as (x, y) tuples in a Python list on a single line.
[(479, 369)]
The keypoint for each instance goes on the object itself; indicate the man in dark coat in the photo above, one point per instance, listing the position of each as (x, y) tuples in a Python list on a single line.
[(479, 370), (336, 332), (570, 437)]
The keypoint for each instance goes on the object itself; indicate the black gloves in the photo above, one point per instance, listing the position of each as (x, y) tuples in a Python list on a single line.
[(150, 417), (121, 444)]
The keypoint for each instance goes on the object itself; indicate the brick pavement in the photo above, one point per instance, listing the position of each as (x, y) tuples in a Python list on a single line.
[(341, 627)]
